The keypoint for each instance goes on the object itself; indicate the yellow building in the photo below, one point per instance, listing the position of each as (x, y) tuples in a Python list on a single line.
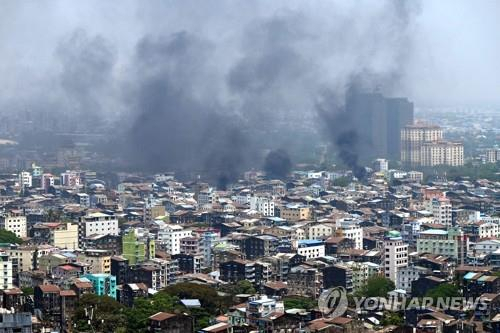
[(155, 212), (61, 235), (99, 261), (66, 236), (295, 212), (23, 258)]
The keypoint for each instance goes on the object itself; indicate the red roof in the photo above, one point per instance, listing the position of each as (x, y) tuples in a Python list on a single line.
[(161, 316), (49, 288), (69, 268), (67, 293)]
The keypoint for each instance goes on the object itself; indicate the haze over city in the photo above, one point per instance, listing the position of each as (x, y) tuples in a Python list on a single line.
[(249, 166)]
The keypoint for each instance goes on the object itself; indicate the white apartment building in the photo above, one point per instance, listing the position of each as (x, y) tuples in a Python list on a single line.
[(25, 179), (442, 153), (487, 246), (381, 164), (360, 273), (242, 198), (14, 221), (416, 176), (412, 139), (83, 199), (206, 198), (395, 255), (5, 271), (70, 178), (98, 224), (262, 204), (488, 230), (492, 155), (441, 209), (311, 248), (169, 237), (351, 229), (407, 275)]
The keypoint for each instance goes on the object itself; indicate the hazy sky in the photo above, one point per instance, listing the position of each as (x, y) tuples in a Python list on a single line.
[(447, 54)]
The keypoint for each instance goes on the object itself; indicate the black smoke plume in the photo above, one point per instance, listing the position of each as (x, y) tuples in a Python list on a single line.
[(277, 164), (205, 88), (178, 126)]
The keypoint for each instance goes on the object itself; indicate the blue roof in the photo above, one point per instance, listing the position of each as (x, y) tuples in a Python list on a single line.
[(469, 275), (310, 242), (191, 303), (275, 218)]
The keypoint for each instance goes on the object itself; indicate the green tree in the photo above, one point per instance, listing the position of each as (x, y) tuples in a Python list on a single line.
[(444, 290), (107, 314), (9, 237), (299, 302), (201, 317), (137, 317), (243, 287), (376, 286), (392, 318), (28, 291), (208, 296)]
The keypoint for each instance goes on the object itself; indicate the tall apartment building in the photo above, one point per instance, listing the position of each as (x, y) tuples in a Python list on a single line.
[(381, 164), (169, 237), (137, 249), (412, 139), (70, 178), (47, 181), (492, 155), (14, 221), (442, 153), (25, 179), (206, 197), (399, 114), (441, 209), (381, 120), (350, 229), (262, 204), (5, 271), (208, 241), (423, 145), (395, 254)]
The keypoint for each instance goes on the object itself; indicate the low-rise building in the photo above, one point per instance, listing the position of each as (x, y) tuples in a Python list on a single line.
[(14, 221), (311, 248), (104, 284)]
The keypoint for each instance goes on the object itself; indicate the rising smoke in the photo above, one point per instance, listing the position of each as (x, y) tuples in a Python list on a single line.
[(277, 164), (189, 92)]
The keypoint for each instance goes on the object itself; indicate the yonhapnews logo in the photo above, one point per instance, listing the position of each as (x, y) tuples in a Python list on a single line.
[(333, 302)]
